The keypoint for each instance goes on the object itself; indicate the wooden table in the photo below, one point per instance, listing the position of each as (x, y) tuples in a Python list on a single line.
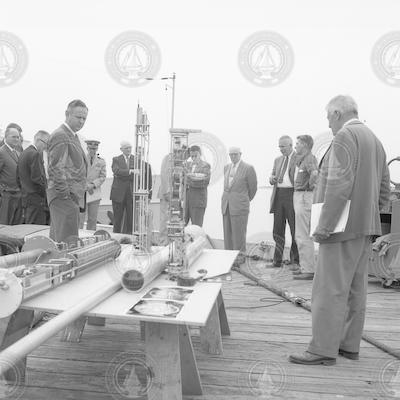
[(168, 344)]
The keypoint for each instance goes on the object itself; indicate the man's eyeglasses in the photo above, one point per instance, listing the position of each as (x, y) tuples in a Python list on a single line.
[(43, 141)]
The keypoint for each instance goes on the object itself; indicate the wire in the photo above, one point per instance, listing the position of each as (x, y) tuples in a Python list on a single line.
[(254, 307)]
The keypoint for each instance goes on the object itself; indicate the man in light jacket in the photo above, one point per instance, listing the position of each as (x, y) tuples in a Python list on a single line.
[(354, 169)]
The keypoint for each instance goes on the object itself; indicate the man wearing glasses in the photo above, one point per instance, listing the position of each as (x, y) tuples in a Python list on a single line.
[(32, 180), (282, 180)]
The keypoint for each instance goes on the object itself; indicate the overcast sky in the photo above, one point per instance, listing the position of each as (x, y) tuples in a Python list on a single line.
[(329, 46)]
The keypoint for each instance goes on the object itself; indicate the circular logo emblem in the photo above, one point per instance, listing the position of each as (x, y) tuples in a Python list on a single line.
[(131, 376), (11, 386), (389, 379), (266, 379), (385, 58), (260, 260), (131, 57), (266, 58), (213, 151), (13, 58), (322, 141)]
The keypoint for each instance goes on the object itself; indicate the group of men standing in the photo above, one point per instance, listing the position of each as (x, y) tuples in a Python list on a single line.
[(294, 176), (22, 179), (62, 194)]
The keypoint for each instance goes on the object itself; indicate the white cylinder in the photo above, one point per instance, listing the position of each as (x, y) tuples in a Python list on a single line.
[(20, 349)]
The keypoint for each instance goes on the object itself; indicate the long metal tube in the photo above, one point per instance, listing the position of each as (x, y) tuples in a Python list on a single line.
[(25, 257), (152, 265), (20, 349)]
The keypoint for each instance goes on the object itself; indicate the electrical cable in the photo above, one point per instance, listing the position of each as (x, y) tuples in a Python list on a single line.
[(306, 304)]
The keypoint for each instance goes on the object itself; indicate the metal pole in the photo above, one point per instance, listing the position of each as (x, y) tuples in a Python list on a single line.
[(173, 100)]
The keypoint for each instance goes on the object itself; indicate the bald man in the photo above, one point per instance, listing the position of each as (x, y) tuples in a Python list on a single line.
[(240, 187), (122, 187)]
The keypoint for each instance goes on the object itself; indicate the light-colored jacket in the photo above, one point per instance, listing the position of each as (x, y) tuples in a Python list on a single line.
[(238, 195), (354, 169), (67, 166), (96, 175)]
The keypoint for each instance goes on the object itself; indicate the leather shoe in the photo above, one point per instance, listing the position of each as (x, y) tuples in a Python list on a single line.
[(274, 265), (294, 267), (308, 358), (297, 272), (351, 355), (304, 276)]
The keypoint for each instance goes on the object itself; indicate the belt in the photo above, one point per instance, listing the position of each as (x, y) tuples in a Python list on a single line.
[(303, 190), (291, 188)]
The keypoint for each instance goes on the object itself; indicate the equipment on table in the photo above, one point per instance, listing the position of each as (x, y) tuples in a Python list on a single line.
[(44, 264)]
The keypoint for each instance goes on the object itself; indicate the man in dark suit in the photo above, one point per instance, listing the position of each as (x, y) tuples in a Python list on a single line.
[(67, 170), (354, 169), (11, 207), (198, 178), (282, 179), (32, 180), (240, 187), (124, 168)]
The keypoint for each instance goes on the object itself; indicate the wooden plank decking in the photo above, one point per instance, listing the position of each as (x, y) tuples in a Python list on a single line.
[(264, 330)]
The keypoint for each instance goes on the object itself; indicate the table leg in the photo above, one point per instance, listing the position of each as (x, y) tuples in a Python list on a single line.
[(210, 335), (12, 329), (191, 384), (162, 351), (223, 319)]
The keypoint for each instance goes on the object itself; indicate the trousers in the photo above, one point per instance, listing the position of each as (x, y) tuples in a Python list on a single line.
[(339, 296)]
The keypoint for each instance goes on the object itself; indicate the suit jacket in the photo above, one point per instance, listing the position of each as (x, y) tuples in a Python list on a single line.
[(354, 169), (196, 194), (96, 174), (123, 181), (67, 166), (8, 169), (238, 195), (30, 173), (275, 171)]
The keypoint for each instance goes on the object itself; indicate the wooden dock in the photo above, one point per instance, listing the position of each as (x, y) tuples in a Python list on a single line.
[(265, 329)]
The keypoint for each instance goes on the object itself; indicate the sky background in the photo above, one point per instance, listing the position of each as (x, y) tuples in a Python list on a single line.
[(199, 41)]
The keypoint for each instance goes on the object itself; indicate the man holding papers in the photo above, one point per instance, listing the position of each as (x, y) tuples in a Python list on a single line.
[(354, 169)]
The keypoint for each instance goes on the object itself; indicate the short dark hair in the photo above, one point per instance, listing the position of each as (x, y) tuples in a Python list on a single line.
[(307, 140), (195, 148), (13, 125), (76, 103)]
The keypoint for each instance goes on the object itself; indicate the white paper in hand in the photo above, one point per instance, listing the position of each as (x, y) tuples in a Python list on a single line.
[(316, 213)]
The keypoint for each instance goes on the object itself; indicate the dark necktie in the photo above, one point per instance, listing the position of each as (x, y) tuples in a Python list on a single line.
[(283, 169), (91, 160)]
